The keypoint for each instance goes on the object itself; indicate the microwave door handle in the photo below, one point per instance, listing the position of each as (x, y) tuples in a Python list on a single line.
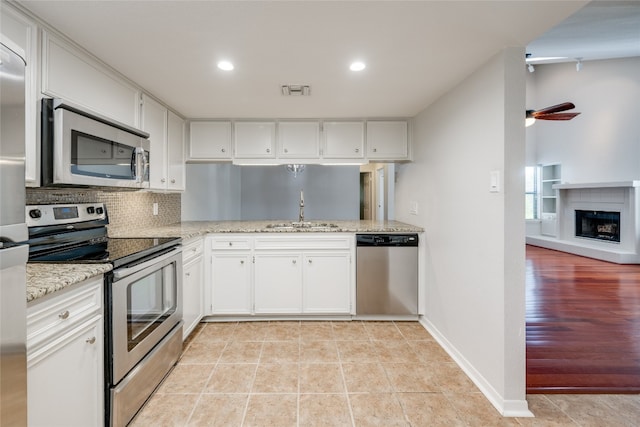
[(134, 161), (139, 164), (145, 163)]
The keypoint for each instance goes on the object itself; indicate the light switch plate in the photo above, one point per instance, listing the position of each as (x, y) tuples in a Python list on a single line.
[(494, 182), (413, 207)]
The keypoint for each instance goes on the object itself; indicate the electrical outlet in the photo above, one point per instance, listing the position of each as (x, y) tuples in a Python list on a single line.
[(413, 207), (155, 208)]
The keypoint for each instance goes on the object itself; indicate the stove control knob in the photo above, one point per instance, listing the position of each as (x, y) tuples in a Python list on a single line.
[(99, 211), (35, 213), (91, 210)]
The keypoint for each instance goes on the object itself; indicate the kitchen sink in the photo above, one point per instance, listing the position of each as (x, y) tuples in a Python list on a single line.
[(303, 225)]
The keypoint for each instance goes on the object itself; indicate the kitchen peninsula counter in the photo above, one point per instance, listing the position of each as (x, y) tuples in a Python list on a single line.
[(46, 278), (189, 229)]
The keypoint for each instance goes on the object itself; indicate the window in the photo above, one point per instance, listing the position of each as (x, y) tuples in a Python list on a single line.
[(531, 192)]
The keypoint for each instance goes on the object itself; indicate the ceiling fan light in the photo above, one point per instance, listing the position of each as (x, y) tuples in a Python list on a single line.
[(531, 68), (529, 121)]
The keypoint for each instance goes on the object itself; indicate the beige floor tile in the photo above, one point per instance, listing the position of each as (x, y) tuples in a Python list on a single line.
[(357, 351), (186, 379), (319, 351), (194, 333), (546, 413), (395, 352), (219, 410), (217, 331), (201, 351), (249, 331), (627, 405), (378, 409), (166, 410), (413, 331), (241, 352), (349, 331), (280, 352), (383, 331), (276, 378), (321, 378), (411, 377), (591, 411), (429, 351), (316, 331), (451, 379), (429, 409), (272, 410), (282, 331), (324, 410), (475, 410), (231, 378), (365, 378)]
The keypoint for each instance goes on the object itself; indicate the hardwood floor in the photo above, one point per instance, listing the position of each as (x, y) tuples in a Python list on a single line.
[(583, 324)]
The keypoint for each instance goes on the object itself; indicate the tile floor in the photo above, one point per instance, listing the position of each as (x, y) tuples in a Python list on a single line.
[(343, 374)]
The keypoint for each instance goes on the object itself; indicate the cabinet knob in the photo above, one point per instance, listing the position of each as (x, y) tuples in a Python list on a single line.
[(187, 274), (375, 150), (286, 151), (64, 315), (294, 261), (91, 340), (241, 261), (230, 243), (103, 151), (310, 261), (268, 150), (223, 150), (357, 150), (163, 180), (173, 181)]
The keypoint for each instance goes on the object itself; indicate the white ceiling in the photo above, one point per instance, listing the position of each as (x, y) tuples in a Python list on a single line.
[(415, 51)]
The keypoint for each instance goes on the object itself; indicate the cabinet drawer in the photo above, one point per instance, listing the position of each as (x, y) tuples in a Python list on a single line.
[(192, 249), (61, 313), (230, 243), (304, 242)]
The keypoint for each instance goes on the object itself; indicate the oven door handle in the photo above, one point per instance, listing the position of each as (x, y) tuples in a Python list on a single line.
[(127, 271)]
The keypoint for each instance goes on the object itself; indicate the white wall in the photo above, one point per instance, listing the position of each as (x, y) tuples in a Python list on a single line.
[(271, 192), (212, 192), (603, 143), (475, 301)]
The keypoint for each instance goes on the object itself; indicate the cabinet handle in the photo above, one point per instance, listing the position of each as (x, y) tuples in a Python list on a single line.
[(223, 150), (357, 150), (375, 150), (103, 151), (163, 180), (268, 150), (64, 315), (187, 274), (91, 340)]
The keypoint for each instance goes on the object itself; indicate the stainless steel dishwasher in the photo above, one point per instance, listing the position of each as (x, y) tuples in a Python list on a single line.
[(387, 275)]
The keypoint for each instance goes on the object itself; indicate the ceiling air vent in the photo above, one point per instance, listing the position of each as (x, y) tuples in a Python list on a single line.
[(296, 90)]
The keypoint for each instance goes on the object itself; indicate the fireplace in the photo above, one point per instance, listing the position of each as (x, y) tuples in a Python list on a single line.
[(599, 225)]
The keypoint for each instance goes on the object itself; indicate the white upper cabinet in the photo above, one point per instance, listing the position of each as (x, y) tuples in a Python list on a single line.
[(299, 140), (69, 73), (387, 140), (254, 140), (23, 31), (343, 140), (166, 134), (210, 140)]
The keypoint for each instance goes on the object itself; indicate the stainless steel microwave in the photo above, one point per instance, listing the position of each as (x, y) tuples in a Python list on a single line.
[(82, 148)]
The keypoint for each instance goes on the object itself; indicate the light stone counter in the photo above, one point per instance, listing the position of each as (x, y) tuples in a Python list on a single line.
[(46, 278), (188, 229)]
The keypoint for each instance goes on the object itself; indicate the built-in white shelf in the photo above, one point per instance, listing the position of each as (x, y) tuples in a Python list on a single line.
[(623, 184)]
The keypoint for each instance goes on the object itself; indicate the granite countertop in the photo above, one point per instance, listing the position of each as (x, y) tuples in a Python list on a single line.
[(46, 278), (188, 229)]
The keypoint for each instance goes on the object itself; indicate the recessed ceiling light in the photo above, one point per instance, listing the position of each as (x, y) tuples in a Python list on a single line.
[(225, 65), (357, 66)]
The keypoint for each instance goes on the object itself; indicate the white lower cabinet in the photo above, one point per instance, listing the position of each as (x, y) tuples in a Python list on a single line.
[(192, 285), (289, 274), (65, 360)]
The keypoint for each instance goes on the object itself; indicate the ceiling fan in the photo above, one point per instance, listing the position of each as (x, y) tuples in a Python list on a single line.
[(555, 112)]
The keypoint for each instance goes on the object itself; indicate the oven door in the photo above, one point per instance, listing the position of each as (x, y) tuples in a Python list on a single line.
[(89, 150), (145, 305)]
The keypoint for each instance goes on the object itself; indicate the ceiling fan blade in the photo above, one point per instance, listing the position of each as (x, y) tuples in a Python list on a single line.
[(556, 116), (555, 108)]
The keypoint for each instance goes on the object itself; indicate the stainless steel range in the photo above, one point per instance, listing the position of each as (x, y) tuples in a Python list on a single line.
[(143, 297)]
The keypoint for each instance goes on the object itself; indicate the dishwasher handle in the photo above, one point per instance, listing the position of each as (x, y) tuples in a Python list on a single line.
[(398, 240)]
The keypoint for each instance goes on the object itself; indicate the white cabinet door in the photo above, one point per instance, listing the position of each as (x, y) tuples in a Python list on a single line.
[(65, 379), (299, 140), (154, 121), (387, 140), (175, 152), (22, 31), (69, 73), (192, 294), (327, 283), (231, 283), (343, 140), (278, 283), (254, 140), (210, 140)]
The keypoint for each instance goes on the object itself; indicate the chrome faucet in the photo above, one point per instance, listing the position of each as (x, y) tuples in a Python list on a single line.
[(301, 214)]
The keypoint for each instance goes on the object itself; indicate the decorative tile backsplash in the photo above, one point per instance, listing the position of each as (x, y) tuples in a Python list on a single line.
[(126, 209)]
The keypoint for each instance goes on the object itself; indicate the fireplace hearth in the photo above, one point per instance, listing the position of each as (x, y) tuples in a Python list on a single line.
[(599, 225)]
